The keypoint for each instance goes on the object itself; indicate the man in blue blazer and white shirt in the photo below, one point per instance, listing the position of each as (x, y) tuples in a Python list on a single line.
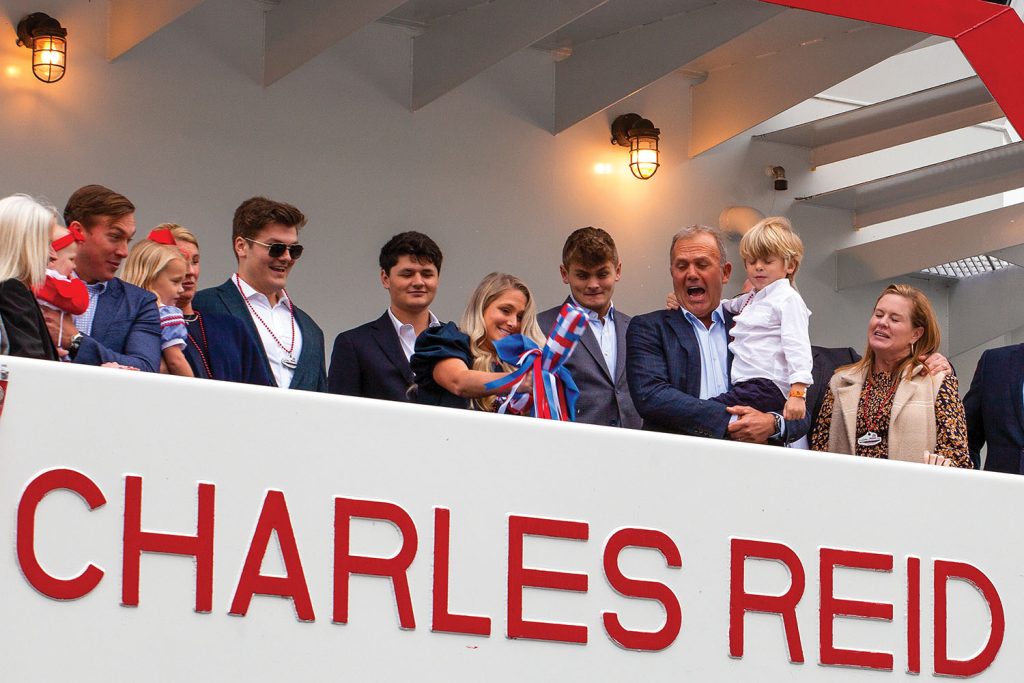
[(678, 359), (995, 410), (265, 236), (372, 360), (591, 267), (122, 324)]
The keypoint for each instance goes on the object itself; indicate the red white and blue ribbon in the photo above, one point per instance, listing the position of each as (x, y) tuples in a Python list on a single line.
[(554, 392)]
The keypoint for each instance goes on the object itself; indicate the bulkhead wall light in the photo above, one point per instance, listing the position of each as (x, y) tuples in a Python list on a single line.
[(640, 135), (49, 44)]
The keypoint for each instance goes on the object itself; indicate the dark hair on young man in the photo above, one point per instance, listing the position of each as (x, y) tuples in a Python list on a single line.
[(256, 212), (89, 203), (415, 244), (589, 247)]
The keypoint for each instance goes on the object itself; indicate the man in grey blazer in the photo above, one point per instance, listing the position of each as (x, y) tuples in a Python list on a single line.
[(591, 267)]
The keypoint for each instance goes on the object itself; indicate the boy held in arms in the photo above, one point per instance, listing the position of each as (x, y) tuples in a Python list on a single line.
[(771, 348)]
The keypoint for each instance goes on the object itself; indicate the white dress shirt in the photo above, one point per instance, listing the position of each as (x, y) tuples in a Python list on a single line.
[(280, 320), (604, 331), (770, 338), (407, 333)]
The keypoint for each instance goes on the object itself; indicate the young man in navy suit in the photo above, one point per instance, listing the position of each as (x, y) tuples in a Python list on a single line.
[(122, 324), (995, 410), (591, 267), (265, 236), (372, 360)]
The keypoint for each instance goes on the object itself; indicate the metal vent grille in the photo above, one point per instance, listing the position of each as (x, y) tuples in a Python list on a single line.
[(975, 265)]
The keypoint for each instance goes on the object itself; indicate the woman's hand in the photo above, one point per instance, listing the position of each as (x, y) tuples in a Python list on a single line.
[(936, 459), (795, 408), (671, 302)]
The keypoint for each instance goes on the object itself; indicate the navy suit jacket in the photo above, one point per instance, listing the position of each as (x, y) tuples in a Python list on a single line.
[(369, 361), (604, 398), (310, 374), (125, 329), (826, 361), (995, 410), (663, 368)]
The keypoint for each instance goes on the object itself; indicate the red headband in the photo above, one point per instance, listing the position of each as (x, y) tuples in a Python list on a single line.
[(161, 236), (74, 235)]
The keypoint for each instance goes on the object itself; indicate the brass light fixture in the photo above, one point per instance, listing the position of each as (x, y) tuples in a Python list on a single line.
[(49, 44), (640, 135)]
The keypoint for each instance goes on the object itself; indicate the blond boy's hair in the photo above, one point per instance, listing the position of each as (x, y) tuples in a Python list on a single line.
[(773, 236)]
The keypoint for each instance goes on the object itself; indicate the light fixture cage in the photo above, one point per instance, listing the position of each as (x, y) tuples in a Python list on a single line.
[(644, 158), (49, 58), (48, 41)]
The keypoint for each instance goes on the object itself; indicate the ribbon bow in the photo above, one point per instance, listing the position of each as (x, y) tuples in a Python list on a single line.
[(554, 392), (74, 235), (161, 236)]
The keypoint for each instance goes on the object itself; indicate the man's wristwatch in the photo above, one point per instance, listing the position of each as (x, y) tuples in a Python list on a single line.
[(778, 426), (74, 344)]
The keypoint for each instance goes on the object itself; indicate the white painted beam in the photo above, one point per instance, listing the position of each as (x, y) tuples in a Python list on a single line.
[(456, 49), (977, 175), (740, 97), (604, 71), (909, 252), (916, 116), (982, 308), (296, 31), (129, 22)]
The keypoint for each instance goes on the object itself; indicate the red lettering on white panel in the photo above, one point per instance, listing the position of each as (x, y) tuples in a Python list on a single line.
[(137, 541), (39, 578), (442, 619), (395, 568), (945, 570), (520, 577), (273, 519), (914, 615), (741, 602), (646, 590), (832, 607)]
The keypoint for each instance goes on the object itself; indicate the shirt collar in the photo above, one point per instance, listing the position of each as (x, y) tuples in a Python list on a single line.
[(249, 293), (781, 283), (434, 322), (94, 288), (592, 314), (717, 316)]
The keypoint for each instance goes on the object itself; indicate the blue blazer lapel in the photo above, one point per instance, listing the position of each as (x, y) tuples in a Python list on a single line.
[(232, 300), (305, 375), (107, 308), (688, 340), (383, 332)]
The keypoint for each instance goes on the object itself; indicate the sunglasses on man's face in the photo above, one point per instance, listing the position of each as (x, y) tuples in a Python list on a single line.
[(277, 249)]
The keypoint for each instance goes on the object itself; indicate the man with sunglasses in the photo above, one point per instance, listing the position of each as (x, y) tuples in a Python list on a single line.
[(265, 237)]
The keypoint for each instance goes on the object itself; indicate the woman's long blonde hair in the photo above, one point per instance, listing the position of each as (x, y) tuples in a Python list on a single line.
[(921, 315), (146, 260), (25, 226), (472, 324)]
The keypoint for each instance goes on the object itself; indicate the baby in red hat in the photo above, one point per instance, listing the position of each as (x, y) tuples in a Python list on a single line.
[(61, 290)]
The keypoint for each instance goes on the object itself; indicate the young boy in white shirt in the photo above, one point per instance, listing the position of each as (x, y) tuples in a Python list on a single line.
[(771, 349)]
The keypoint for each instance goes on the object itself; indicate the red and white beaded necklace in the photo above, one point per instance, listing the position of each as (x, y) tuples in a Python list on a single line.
[(289, 361)]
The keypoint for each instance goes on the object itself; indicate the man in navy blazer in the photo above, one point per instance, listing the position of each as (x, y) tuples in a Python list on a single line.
[(372, 360), (995, 410), (669, 368), (591, 267), (266, 244), (122, 323)]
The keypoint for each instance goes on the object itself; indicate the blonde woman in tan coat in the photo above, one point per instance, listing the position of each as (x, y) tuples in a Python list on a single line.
[(880, 407)]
